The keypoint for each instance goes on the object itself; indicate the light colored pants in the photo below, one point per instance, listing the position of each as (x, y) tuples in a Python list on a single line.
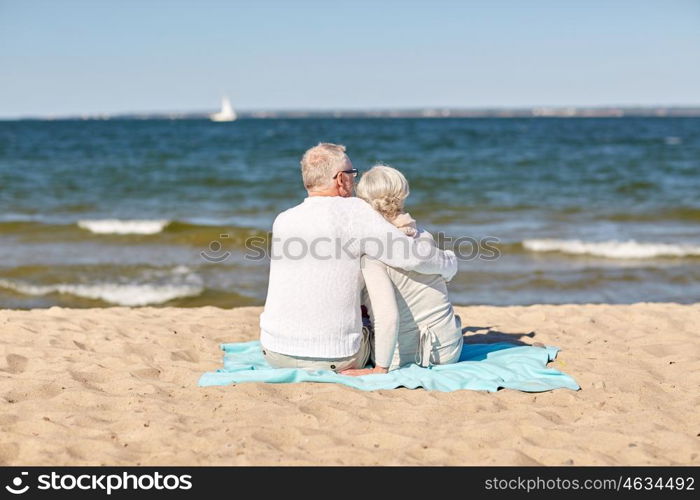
[(439, 344), (438, 353), (357, 360)]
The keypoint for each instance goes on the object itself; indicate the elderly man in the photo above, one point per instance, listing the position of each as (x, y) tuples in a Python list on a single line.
[(312, 314)]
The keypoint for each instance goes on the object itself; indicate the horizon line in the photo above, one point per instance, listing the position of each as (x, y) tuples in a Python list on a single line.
[(602, 110)]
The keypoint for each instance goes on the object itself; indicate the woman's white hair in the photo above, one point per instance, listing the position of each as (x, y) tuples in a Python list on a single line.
[(385, 189)]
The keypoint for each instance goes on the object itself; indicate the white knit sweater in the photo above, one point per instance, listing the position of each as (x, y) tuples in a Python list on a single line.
[(313, 298)]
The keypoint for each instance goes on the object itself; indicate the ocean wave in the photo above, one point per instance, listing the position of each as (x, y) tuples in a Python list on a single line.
[(118, 226), (613, 249), (127, 232), (123, 294)]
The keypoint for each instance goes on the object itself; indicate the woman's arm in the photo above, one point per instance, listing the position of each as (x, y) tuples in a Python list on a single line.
[(385, 312)]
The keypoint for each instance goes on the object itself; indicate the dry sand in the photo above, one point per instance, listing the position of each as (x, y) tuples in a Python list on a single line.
[(118, 386)]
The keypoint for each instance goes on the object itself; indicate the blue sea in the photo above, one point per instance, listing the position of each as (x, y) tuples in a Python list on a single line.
[(123, 212)]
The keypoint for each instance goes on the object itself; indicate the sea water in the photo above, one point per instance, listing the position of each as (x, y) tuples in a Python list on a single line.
[(158, 212)]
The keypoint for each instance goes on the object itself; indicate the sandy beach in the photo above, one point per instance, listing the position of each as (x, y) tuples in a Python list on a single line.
[(118, 386)]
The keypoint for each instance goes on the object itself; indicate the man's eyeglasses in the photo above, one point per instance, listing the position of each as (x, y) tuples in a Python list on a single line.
[(352, 171)]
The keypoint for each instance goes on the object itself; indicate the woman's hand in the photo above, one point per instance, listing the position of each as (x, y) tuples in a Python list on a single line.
[(357, 372)]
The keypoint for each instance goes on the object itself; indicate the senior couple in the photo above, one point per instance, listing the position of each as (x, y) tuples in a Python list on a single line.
[(336, 256)]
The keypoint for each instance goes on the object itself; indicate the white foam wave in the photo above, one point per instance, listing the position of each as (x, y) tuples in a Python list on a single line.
[(118, 226), (123, 294), (613, 249)]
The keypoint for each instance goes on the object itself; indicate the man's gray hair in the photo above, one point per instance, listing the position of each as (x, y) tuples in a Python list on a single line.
[(320, 163)]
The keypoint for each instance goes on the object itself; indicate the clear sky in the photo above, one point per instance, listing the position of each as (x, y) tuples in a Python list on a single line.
[(70, 57)]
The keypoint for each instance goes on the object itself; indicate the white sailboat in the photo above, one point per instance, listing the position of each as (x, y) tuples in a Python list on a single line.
[(227, 114)]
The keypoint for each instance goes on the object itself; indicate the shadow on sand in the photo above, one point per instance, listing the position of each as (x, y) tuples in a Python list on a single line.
[(477, 346), (491, 336)]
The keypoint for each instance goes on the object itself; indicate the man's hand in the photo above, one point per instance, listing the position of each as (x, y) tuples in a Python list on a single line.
[(357, 372)]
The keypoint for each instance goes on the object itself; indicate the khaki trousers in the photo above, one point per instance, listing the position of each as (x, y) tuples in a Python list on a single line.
[(357, 360)]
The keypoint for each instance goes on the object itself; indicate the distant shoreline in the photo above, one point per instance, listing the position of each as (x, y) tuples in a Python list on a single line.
[(436, 112)]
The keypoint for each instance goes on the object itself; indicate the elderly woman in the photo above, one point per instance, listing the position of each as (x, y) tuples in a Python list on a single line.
[(413, 318)]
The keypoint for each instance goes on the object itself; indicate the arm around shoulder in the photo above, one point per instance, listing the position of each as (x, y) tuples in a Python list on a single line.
[(381, 240)]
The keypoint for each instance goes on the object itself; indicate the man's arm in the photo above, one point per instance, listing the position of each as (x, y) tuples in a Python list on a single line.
[(383, 241)]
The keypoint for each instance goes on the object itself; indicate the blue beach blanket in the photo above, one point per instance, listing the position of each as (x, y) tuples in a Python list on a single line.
[(482, 367)]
